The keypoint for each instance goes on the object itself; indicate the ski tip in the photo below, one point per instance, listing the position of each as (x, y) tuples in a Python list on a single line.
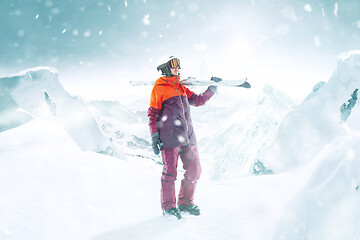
[(245, 85)]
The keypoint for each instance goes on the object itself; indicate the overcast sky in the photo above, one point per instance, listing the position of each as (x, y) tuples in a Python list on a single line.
[(279, 42)]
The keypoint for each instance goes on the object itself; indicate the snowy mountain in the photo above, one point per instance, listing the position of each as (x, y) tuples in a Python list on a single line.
[(242, 140), (318, 120), (100, 126), (128, 131), (39, 93)]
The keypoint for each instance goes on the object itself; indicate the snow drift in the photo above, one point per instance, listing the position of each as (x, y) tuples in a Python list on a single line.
[(318, 120), (38, 93), (328, 206)]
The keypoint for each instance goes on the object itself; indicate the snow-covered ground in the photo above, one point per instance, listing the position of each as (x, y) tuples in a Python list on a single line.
[(51, 189), (55, 184)]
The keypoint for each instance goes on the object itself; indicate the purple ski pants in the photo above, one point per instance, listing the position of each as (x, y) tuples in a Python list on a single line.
[(191, 164)]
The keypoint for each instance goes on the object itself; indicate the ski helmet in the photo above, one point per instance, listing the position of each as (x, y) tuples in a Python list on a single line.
[(165, 67)]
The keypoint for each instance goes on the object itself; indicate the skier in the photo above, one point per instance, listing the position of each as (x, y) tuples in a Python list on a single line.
[(172, 133)]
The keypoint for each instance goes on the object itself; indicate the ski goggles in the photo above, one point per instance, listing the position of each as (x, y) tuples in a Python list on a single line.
[(175, 62)]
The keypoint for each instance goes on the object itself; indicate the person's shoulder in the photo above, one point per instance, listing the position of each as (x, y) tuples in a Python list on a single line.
[(160, 82)]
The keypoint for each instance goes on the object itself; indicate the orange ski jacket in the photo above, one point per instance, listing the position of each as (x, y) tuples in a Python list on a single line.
[(169, 111)]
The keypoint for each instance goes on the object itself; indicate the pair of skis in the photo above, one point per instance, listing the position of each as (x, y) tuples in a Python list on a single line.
[(194, 82)]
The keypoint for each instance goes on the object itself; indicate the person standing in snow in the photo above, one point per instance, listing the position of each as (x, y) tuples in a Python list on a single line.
[(173, 135)]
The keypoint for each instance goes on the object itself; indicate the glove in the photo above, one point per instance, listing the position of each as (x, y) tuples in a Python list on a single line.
[(216, 79), (213, 88), (156, 143)]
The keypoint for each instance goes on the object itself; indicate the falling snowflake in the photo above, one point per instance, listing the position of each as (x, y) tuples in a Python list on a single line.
[(17, 12), (177, 122), (307, 7), (172, 14), (21, 33), (336, 9), (87, 34), (146, 20), (181, 139)]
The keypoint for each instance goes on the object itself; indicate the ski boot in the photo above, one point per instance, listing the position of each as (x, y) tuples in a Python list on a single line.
[(172, 212), (191, 209)]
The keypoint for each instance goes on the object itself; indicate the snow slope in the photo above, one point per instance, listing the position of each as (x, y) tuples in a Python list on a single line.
[(317, 121), (49, 193), (51, 189)]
